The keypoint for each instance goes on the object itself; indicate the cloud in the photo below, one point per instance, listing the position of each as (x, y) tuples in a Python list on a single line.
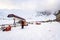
[(48, 5), (29, 4), (17, 4), (6, 5)]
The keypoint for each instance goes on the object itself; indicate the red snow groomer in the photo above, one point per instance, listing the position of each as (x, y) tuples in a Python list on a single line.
[(38, 23)]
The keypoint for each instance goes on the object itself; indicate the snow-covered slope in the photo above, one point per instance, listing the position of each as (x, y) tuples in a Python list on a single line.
[(6, 22), (45, 31)]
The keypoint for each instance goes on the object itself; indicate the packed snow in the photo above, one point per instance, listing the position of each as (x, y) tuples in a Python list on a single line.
[(44, 31)]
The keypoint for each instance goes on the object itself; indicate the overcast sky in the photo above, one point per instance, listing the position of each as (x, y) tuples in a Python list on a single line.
[(29, 4), (28, 7)]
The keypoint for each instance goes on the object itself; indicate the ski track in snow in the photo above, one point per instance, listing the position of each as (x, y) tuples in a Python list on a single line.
[(45, 31)]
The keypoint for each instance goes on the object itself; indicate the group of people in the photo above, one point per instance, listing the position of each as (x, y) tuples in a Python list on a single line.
[(8, 28)]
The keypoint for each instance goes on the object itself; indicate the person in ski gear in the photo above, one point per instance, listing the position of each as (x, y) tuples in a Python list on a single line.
[(22, 24), (7, 28)]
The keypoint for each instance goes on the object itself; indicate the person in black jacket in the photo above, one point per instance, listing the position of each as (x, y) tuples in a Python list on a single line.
[(22, 24)]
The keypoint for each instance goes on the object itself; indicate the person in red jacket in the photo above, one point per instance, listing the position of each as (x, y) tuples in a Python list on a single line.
[(7, 28)]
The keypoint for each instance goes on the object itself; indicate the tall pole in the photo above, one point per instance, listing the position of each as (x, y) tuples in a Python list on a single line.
[(14, 23)]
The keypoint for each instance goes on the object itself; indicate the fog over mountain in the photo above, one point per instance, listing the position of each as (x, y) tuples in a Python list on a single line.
[(26, 14), (28, 8)]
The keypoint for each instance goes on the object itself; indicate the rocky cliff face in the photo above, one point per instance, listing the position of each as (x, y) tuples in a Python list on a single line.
[(58, 16)]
